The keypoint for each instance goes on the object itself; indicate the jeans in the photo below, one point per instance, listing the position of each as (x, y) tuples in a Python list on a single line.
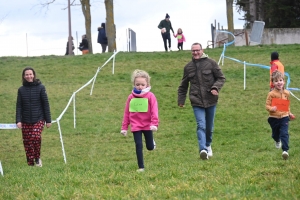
[(280, 131), (205, 125), (139, 145), (166, 36)]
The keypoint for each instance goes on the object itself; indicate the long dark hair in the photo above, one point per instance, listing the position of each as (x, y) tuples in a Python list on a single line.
[(23, 74)]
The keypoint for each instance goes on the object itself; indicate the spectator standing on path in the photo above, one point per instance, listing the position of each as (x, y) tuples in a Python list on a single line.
[(205, 79), (165, 26), (84, 45), (67, 50), (32, 112), (275, 65), (102, 39)]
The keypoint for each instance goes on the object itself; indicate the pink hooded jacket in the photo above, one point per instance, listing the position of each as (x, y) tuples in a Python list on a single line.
[(141, 120)]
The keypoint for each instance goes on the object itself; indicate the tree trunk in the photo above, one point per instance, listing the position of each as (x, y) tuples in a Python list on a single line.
[(229, 7), (85, 5), (110, 25)]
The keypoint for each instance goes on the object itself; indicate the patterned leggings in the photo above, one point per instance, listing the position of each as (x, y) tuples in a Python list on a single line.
[(32, 140)]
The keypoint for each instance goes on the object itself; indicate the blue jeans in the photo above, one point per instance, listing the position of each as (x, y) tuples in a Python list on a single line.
[(280, 131), (205, 125), (139, 145)]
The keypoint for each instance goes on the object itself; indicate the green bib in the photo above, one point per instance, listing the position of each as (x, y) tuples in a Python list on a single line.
[(138, 105)]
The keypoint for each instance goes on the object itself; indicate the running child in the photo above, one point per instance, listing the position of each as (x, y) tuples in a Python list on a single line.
[(141, 113), (278, 105)]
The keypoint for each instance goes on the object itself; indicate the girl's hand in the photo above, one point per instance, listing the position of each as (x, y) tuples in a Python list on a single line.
[(274, 108), (124, 132), (153, 128), (48, 125)]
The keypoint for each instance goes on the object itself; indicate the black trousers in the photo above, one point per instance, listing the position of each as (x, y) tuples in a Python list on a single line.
[(166, 36), (180, 45), (139, 144)]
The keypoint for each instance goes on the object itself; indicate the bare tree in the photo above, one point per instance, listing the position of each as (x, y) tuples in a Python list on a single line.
[(86, 10), (85, 5), (229, 7), (110, 25)]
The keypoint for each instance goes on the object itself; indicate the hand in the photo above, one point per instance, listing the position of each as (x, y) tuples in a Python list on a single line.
[(214, 92), (292, 117), (19, 124), (124, 132), (274, 108), (181, 105), (48, 125), (153, 128)]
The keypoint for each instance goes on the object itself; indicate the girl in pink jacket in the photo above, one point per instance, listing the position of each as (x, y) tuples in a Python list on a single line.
[(141, 113), (180, 38)]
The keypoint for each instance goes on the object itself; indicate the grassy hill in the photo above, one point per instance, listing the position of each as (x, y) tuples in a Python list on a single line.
[(101, 163)]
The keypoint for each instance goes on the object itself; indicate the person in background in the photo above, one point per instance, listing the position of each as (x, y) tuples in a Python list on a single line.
[(204, 78), (180, 38), (279, 117), (32, 112), (275, 65), (165, 26), (102, 39), (67, 49), (84, 45), (141, 113)]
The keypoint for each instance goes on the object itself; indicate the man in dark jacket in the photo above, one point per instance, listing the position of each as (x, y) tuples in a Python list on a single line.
[(102, 39), (165, 26), (205, 79)]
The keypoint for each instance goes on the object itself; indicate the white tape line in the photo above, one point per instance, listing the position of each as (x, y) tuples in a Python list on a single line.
[(1, 170), (8, 126)]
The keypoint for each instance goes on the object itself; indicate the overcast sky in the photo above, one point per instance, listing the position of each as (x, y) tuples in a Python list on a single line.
[(28, 29)]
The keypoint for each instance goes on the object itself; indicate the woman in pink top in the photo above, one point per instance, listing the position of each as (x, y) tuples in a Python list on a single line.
[(141, 113), (180, 38)]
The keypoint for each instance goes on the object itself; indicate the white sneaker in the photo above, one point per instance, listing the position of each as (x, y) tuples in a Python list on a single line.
[(203, 155), (140, 170), (209, 151), (278, 144), (154, 143), (39, 163), (285, 155), (170, 49)]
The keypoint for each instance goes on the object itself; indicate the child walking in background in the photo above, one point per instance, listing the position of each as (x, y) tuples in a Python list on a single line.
[(141, 113), (278, 105), (275, 65), (180, 38)]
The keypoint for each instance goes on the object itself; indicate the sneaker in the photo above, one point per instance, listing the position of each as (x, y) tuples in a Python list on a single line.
[(285, 155), (38, 162), (140, 170), (170, 49), (209, 151), (278, 144), (154, 143), (203, 155)]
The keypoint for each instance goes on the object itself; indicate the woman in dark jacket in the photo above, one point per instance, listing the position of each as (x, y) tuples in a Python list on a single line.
[(84, 45), (102, 39), (32, 111)]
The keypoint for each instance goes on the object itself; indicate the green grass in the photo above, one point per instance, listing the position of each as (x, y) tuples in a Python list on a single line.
[(101, 163)]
